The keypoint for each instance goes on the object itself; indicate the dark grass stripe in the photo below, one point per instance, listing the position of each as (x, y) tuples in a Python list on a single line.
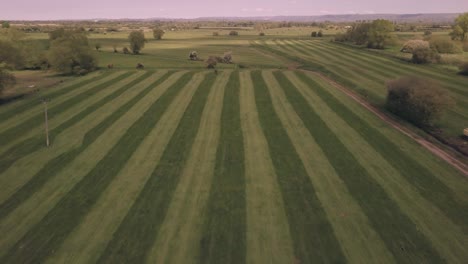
[(34, 143), (224, 229), (398, 232), (31, 102), (57, 164), (138, 231), (38, 119), (312, 234), (47, 235), (421, 178)]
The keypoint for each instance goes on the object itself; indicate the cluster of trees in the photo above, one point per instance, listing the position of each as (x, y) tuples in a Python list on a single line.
[(376, 34), (212, 61), (419, 101), (6, 79)]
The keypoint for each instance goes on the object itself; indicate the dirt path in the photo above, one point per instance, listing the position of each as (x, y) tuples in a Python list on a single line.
[(449, 158)]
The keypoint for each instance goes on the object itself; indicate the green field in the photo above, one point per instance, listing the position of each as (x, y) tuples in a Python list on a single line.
[(249, 166), (266, 161), (367, 73)]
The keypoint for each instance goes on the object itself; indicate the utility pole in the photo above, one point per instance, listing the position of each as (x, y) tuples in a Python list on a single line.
[(45, 101)]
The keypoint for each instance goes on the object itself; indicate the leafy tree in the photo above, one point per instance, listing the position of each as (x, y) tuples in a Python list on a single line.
[(158, 33), (411, 45), (137, 41), (443, 45), (97, 46), (261, 34), (420, 101), (125, 50), (460, 30), (6, 79), (70, 53), (233, 33), (211, 62), (379, 34), (314, 34), (320, 34), (227, 57)]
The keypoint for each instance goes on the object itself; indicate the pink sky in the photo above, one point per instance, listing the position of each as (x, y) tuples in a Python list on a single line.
[(86, 9)]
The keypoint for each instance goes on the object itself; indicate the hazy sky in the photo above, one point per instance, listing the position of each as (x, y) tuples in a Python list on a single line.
[(76, 9)]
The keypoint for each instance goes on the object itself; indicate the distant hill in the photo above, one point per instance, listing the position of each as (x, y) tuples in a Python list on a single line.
[(432, 18)]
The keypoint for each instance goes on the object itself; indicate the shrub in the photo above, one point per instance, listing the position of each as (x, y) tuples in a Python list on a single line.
[(125, 50), (6, 79), (411, 45), (419, 101), (464, 68), (261, 34), (465, 46), (314, 34), (427, 33), (233, 33), (444, 46), (422, 55), (227, 57), (215, 34), (211, 62), (320, 34), (158, 33)]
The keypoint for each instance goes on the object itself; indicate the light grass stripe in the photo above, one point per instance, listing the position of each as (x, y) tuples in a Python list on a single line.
[(28, 214), (24, 169), (224, 227), (447, 238), (444, 172), (359, 241), (268, 237), (180, 234), (89, 239), (37, 107)]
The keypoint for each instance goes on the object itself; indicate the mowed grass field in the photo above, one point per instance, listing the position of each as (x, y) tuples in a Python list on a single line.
[(246, 166), (367, 73)]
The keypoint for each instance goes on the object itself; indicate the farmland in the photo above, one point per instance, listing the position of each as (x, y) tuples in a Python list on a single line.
[(260, 162), (243, 166)]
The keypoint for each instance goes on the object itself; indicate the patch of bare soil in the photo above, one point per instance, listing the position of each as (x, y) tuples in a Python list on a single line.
[(461, 165)]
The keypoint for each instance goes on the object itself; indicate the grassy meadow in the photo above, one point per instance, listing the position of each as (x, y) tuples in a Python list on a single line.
[(257, 163)]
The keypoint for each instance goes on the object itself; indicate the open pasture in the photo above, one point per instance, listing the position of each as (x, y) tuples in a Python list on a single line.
[(246, 166)]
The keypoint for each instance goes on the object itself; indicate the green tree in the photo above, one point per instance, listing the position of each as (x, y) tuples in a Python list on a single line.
[(418, 100), (70, 53), (314, 34), (379, 34), (158, 33), (320, 34), (460, 30), (137, 41)]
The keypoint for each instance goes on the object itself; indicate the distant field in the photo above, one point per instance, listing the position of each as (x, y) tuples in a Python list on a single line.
[(246, 166), (367, 73)]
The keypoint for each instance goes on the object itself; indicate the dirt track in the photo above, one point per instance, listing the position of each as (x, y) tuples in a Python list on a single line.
[(460, 165)]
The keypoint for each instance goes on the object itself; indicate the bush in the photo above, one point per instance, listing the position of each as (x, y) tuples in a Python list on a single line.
[(320, 34), (158, 33), (233, 33), (411, 45), (314, 34), (444, 46), (261, 34), (422, 55), (125, 50), (6, 79), (215, 34), (465, 46), (419, 101), (427, 33), (464, 68), (211, 62)]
